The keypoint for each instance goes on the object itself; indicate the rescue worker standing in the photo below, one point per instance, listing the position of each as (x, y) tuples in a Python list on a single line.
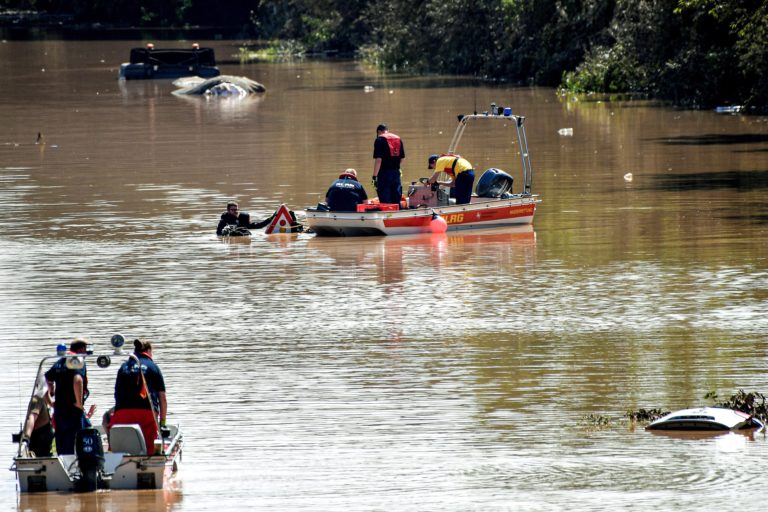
[(69, 389), (461, 173), (388, 155), (345, 193), (140, 394)]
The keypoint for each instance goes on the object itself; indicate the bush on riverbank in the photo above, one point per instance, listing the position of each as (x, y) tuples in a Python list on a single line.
[(698, 53)]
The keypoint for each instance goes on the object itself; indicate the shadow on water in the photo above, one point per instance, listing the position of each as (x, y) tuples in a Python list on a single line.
[(735, 180), (713, 139)]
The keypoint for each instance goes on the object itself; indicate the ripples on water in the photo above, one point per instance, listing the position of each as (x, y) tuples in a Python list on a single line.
[(438, 372)]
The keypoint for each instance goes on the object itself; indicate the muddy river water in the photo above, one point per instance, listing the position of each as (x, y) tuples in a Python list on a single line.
[(447, 372)]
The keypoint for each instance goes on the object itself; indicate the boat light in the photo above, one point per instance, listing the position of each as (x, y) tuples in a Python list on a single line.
[(75, 362), (117, 341)]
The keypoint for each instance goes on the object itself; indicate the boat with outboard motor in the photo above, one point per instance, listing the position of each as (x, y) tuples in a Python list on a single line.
[(124, 465), (706, 419), (492, 204)]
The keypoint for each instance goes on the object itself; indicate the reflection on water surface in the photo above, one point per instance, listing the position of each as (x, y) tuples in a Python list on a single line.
[(434, 372)]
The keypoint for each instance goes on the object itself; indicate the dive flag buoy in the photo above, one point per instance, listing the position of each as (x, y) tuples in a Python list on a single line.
[(438, 224), (281, 222)]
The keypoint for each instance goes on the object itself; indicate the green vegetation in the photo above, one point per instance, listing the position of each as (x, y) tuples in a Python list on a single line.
[(698, 53)]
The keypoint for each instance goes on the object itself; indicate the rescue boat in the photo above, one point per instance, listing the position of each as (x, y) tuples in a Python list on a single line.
[(492, 204), (124, 465), (706, 419)]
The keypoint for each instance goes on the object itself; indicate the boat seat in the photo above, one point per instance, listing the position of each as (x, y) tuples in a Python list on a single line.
[(127, 439)]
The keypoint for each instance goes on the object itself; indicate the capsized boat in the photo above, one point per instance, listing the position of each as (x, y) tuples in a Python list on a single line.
[(492, 204), (706, 419), (124, 465)]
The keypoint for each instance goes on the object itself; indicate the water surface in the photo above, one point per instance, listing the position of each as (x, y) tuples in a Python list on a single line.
[(438, 372)]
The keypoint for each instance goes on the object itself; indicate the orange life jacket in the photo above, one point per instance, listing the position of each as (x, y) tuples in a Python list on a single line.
[(394, 143)]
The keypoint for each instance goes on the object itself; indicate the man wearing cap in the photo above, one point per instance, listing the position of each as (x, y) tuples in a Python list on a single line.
[(431, 162), (388, 155), (69, 389), (345, 193), (461, 174)]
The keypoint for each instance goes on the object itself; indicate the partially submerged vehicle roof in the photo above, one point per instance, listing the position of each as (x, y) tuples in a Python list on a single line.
[(173, 56), (706, 419)]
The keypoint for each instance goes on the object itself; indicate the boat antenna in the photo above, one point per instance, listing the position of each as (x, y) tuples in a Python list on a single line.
[(21, 414), (475, 98)]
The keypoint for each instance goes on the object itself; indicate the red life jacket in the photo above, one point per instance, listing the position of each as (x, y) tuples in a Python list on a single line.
[(394, 143)]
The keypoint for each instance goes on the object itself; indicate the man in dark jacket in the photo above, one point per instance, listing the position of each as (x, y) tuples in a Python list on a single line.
[(235, 222), (388, 155), (69, 388), (345, 193)]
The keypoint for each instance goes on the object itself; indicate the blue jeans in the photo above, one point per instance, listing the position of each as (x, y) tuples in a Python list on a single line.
[(389, 188), (67, 423)]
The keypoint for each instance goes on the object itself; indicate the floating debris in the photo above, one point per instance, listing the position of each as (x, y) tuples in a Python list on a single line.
[(644, 415), (565, 132), (628, 176), (732, 109)]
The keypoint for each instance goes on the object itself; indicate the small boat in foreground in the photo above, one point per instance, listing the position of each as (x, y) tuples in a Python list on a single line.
[(706, 419), (491, 205), (125, 465)]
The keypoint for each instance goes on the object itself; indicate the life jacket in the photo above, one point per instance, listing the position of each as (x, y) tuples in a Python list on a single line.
[(394, 143)]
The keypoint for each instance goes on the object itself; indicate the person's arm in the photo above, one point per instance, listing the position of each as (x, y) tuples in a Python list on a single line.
[(220, 227), (432, 179), (261, 224), (77, 385), (51, 390), (376, 166), (163, 407)]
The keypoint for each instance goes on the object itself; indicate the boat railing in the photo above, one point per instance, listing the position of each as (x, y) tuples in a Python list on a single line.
[(519, 122)]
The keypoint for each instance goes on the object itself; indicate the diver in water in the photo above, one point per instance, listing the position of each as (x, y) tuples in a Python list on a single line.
[(233, 222)]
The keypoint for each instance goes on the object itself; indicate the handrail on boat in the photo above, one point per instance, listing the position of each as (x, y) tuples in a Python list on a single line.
[(521, 137)]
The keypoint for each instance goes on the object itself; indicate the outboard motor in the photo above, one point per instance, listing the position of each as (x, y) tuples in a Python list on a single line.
[(494, 183), (90, 458)]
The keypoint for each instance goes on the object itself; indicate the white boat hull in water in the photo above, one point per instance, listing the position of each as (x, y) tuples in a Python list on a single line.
[(121, 470), (480, 213), (115, 461)]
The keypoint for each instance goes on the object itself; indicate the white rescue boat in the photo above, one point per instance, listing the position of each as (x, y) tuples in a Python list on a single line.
[(492, 204), (123, 465)]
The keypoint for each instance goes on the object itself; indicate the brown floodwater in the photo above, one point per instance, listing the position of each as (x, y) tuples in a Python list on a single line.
[(440, 372)]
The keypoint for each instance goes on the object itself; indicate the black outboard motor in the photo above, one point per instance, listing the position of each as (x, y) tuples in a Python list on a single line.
[(90, 458), (494, 183)]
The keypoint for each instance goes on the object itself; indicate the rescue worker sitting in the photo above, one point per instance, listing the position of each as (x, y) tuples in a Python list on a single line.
[(233, 222), (461, 174), (345, 193)]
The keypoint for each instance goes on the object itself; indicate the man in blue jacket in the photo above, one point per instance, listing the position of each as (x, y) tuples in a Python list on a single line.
[(345, 193)]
